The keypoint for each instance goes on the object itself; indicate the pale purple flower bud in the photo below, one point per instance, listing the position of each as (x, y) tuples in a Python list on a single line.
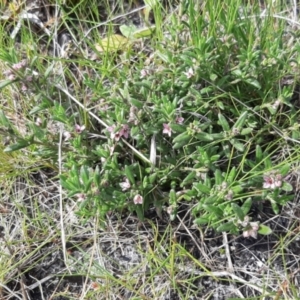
[(167, 129), (190, 73), (111, 129), (125, 185), (138, 199), (81, 197), (144, 73), (79, 129), (179, 120), (11, 77), (124, 131)]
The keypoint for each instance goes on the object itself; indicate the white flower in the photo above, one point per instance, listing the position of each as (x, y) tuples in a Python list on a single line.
[(125, 185), (67, 135), (138, 199), (190, 73)]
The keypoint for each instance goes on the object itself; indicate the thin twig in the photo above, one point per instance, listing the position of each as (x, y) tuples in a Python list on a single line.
[(223, 274), (227, 252)]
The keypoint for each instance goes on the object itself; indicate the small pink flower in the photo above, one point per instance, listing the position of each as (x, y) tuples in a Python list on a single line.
[(11, 77), (66, 135), (19, 65), (111, 129), (190, 73), (179, 120), (138, 199), (24, 88), (167, 129), (79, 129), (144, 73), (125, 185), (38, 122), (81, 197), (272, 181), (251, 230), (7, 73), (124, 131)]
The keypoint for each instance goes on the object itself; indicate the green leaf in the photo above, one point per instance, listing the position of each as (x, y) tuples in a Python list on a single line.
[(172, 197), (129, 174), (231, 176), (226, 227), (38, 132), (183, 137), (152, 178), (218, 136), (45, 104), (223, 122), (3, 120), (287, 187), (128, 30), (213, 210), (188, 179), (264, 230), (180, 144), (240, 121), (178, 128), (275, 207), (247, 206), (202, 188), (236, 189), (246, 131), (4, 83), (19, 145), (144, 32), (238, 211), (284, 170), (136, 103), (237, 145), (205, 137), (113, 43), (85, 175), (258, 154), (201, 221), (218, 177), (140, 212), (253, 82)]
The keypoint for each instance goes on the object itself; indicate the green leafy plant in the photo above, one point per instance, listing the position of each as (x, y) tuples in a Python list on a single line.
[(202, 123)]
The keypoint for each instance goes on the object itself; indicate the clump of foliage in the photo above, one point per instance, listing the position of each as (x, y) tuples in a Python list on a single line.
[(202, 119)]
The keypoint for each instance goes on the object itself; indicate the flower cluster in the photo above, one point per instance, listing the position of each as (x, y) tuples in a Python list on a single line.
[(77, 129), (249, 228), (11, 74), (272, 180), (116, 135)]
